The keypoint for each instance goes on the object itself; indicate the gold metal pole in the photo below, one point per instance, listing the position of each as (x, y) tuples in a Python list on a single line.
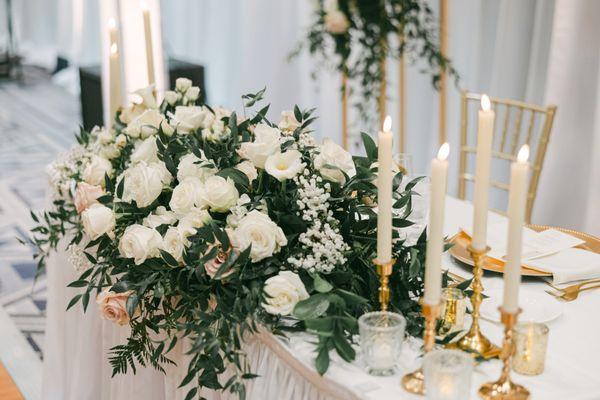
[(402, 100), (384, 270), (344, 110), (443, 76)]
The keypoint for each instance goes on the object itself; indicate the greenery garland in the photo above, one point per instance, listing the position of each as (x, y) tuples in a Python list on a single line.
[(160, 249)]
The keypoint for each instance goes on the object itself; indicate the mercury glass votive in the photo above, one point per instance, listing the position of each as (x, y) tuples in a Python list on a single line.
[(454, 308), (381, 337), (447, 375), (531, 341)]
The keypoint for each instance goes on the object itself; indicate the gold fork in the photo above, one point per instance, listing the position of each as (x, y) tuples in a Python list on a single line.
[(571, 295), (575, 287)]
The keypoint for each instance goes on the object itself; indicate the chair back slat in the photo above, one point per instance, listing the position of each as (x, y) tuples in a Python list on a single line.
[(509, 135)]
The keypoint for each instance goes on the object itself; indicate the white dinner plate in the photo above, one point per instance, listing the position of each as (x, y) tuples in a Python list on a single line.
[(536, 306)]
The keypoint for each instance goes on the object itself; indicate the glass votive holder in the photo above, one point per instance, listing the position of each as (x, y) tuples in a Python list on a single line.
[(531, 342), (447, 375), (454, 308), (381, 337)]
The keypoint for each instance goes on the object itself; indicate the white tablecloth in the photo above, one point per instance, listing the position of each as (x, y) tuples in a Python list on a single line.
[(75, 364)]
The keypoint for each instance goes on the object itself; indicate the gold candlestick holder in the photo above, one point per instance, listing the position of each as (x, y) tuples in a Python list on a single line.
[(415, 381), (504, 388), (474, 341), (384, 270)]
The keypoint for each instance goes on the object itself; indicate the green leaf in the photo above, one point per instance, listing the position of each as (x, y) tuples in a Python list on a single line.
[(297, 114), (344, 348), (321, 285), (106, 199), (191, 393), (313, 307), (351, 298), (120, 188), (370, 146), (464, 285), (80, 283), (132, 303), (322, 361), (74, 301), (168, 258)]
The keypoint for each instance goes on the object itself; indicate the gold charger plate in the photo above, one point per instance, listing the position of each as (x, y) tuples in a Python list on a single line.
[(461, 241)]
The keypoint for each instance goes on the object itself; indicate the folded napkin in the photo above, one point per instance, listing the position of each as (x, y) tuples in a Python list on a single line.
[(569, 265)]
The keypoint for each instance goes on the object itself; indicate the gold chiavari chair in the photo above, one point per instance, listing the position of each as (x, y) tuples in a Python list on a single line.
[(516, 123)]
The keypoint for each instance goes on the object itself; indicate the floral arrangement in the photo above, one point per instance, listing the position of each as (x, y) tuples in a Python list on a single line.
[(187, 221), (362, 33)]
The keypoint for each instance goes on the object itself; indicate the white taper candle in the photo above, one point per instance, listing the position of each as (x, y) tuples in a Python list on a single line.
[(516, 217), (149, 48), (114, 74), (485, 133), (435, 236), (384, 193)]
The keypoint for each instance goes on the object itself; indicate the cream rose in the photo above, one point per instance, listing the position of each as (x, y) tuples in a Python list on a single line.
[(146, 150), (144, 182), (140, 243), (166, 128), (283, 292), (86, 195), (192, 166), (145, 125), (161, 216), (336, 22), (188, 118), (332, 160), (121, 141), (147, 96), (130, 113), (195, 218), (174, 243), (171, 97), (218, 194), (266, 142), (103, 135), (248, 169), (183, 84), (113, 306), (96, 169), (192, 93), (259, 231), (186, 195), (284, 165), (98, 220), (288, 123)]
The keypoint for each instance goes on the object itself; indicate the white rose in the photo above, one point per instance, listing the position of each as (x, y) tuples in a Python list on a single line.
[(174, 243), (147, 95), (186, 195), (218, 194), (145, 125), (96, 169), (259, 231), (283, 292), (166, 128), (188, 119), (284, 165), (195, 218), (182, 84), (144, 182), (266, 142), (192, 93), (332, 160), (146, 150), (288, 122), (249, 169), (140, 243), (171, 97), (161, 216), (121, 141), (103, 135), (192, 166), (98, 220), (336, 22), (130, 113), (109, 152)]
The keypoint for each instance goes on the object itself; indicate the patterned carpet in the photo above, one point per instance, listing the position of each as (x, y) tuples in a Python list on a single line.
[(37, 122)]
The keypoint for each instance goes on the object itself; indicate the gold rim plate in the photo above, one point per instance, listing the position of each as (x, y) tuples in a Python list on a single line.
[(462, 240)]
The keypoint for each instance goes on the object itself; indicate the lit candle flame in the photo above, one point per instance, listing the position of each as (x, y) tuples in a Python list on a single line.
[(523, 155), (485, 103), (144, 5), (112, 24), (443, 152), (387, 124), (113, 48)]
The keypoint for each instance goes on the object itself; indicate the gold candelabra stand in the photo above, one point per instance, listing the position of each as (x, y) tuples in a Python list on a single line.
[(414, 382), (474, 341), (384, 270), (504, 388)]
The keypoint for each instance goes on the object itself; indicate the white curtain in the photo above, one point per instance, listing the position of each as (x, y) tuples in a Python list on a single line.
[(542, 51)]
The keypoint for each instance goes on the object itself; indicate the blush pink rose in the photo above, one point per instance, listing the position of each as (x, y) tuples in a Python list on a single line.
[(113, 306), (212, 266), (86, 195)]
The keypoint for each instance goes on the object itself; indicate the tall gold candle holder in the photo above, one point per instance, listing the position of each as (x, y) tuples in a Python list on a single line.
[(474, 341), (415, 381), (504, 388), (384, 270)]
